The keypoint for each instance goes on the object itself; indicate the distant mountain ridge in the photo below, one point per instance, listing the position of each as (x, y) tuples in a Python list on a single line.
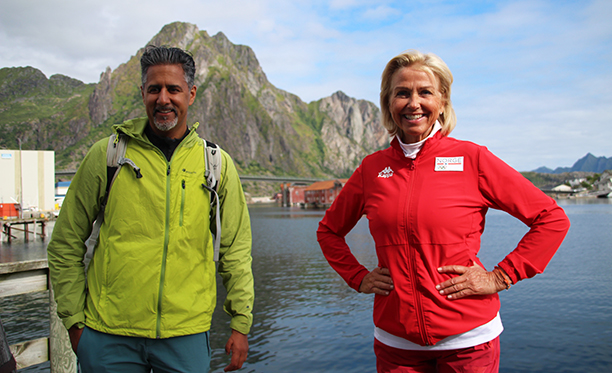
[(588, 163), (267, 131)]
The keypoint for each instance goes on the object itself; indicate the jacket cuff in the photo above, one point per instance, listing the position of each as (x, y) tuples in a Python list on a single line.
[(514, 277), (357, 280), (241, 323), (78, 320)]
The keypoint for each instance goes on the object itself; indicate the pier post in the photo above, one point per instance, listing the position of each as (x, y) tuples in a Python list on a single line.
[(63, 360)]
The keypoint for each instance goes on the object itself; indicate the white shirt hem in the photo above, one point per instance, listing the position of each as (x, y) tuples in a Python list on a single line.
[(471, 338)]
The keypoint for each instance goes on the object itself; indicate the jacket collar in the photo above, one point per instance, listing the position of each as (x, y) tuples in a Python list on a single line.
[(395, 145)]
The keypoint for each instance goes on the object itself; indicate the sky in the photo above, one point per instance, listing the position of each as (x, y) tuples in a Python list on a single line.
[(532, 79)]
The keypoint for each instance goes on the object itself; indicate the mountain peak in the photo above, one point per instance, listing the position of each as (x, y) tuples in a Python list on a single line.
[(588, 163), (176, 34)]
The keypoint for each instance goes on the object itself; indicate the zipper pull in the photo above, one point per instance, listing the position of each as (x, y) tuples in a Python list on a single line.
[(168, 172), (183, 184), (411, 167)]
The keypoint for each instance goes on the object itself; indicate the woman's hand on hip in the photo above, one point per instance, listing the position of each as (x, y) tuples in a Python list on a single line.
[(473, 280), (378, 282)]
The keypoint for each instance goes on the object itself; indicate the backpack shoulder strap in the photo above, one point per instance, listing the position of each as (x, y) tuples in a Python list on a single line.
[(115, 159), (212, 174), (213, 160)]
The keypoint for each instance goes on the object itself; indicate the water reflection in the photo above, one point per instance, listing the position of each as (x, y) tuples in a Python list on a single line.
[(304, 313), (308, 320)]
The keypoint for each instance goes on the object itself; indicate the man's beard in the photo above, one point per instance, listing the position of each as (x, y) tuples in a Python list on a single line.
[(165, 126)]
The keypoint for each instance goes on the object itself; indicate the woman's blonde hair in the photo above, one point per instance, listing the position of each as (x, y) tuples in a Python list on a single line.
[(430, 64)]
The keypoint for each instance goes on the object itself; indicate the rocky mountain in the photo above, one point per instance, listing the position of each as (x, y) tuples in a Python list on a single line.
[(588, 163), (265, 129)]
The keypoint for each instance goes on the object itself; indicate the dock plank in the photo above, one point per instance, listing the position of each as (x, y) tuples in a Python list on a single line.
[(22, 266), (31, 353), (23, 282)]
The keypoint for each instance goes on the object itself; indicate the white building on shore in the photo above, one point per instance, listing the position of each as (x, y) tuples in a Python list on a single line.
[(27, 178), (605, 182)]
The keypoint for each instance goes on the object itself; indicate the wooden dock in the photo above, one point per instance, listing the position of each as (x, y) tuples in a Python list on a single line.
[(33, 276), (9, 227)]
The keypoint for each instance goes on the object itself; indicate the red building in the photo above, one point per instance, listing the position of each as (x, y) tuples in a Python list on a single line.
[(292, 194), (323, 193)]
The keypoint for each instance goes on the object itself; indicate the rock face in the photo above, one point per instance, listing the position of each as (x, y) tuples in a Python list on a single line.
[(100, 103), (352, 131), (265, 129)]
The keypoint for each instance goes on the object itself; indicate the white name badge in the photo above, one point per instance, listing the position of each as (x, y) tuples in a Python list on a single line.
[(449, 164)]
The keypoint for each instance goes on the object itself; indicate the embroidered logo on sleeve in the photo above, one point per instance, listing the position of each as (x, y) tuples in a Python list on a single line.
[(449, 164), (386, 173)]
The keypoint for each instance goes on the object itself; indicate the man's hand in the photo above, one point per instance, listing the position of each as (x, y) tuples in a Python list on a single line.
[(473, 280), (238, 346), (378, 282), (75, 336)]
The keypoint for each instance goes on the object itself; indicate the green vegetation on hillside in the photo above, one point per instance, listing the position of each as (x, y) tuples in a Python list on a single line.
[(549, 181), (266, 130), (42, 112)]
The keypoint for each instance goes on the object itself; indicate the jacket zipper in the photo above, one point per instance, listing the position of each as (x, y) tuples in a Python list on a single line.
[(166, 235), (162, 275), (164, 255), (412, 256)]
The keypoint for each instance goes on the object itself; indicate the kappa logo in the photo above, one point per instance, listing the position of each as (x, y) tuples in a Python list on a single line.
[(386, 173)]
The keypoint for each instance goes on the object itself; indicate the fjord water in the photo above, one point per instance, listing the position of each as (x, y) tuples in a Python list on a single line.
[(308, 320)]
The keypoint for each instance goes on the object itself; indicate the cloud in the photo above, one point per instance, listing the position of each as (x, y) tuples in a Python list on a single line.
[(381, 12), (344, 4), (532, 78)]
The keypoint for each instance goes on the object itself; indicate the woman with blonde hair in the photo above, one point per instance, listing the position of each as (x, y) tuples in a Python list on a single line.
[(436, 307)]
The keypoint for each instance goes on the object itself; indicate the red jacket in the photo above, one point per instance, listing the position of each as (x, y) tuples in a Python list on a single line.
[(430, 212)]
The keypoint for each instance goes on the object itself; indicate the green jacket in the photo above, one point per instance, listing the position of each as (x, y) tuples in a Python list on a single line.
[(152, 274)]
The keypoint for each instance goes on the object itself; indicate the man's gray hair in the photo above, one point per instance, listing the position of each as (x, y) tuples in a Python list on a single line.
[(163, 55)]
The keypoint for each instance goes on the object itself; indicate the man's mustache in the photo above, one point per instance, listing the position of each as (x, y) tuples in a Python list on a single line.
[(165, 108)]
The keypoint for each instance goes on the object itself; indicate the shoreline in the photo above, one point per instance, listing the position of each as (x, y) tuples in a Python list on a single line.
[(260, 200)]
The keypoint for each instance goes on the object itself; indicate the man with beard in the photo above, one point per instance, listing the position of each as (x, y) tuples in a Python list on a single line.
[(149, 294)]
